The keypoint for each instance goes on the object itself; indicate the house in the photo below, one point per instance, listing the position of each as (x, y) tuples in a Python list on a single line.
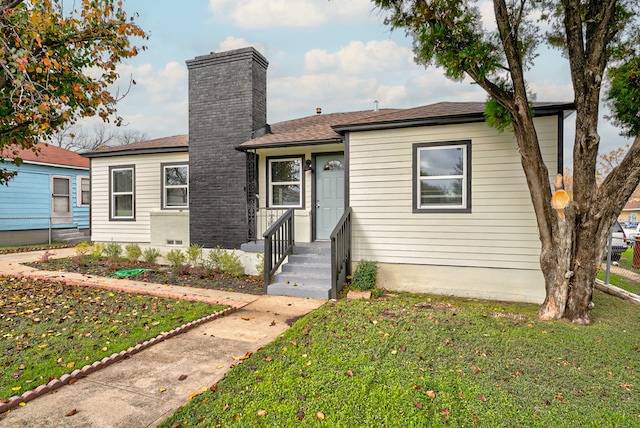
[(48, 199), (433, 194), (630, 213)]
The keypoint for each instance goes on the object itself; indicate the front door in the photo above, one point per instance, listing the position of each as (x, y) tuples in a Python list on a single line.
[(329, 173), (60, 200)]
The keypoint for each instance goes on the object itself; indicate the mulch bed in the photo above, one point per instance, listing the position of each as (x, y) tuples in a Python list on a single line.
[(158, 274)]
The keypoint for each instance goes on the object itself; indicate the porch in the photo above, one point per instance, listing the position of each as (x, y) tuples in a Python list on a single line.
[(309, 269)]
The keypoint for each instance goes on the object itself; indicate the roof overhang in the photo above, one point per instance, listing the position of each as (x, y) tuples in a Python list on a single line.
[(275, 145), (147, 151), (566, 109)]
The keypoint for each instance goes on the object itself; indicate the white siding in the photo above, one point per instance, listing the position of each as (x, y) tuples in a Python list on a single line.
[(148, 184), (501, 230)]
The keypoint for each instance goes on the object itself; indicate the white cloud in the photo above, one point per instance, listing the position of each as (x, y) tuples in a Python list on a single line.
[(358, 57), (287, 13), (231, 43)]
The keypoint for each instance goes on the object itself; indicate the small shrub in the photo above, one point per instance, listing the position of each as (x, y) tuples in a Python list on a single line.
[(82, 248), (226, 262), (150, 255), (365, 276), (46, 256), (132, 252), (231, 265), (177, 258), (113, 250), (97, 250), (194, 255), (260, 265), (215, 258)]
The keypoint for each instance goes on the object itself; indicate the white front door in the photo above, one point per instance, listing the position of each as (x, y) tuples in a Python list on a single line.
[(329, 207), (60, 200)]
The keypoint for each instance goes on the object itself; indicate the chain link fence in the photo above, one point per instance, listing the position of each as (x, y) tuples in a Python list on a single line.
[(621, 267)]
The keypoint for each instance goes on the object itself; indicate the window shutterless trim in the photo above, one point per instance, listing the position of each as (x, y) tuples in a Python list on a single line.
[(112, 217), (79, 180), (163, 188), (268, 161), (466, 144)]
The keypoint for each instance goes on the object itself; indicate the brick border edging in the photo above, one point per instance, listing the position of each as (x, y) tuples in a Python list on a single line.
[(38, 391)]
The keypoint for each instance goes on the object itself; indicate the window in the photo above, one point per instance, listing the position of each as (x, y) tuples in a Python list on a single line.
[(175, 186), (285, 183), (83, 186), (442, 177), (122, 193)]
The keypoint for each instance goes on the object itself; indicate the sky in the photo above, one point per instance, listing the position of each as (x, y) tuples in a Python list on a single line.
[(334, 54)]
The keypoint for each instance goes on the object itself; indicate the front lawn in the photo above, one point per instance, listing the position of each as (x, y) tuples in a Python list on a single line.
[(415, 361), (48, 329)]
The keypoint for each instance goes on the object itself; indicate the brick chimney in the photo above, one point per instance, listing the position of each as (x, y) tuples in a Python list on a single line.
[(227, 103)]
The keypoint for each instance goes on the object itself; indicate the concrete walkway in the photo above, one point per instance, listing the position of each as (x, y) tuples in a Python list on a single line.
[(146, 388)]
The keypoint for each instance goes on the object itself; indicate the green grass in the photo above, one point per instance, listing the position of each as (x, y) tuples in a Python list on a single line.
[(33, 247), (458, 362), (48, 329), (626, 260)]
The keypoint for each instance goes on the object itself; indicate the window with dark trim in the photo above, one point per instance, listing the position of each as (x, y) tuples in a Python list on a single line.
[(442, 177), (175, 186), (285, 182), (122, 192)]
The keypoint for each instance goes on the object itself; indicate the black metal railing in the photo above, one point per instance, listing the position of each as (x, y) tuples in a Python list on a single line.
[(278, 244), (340, 254)]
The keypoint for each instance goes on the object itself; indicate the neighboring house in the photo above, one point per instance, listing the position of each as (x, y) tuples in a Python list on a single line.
[(438, 198), (49, 198), (630, 213)]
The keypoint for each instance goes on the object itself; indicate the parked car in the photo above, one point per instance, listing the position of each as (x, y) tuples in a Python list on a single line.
[(619, 242), (633, 233)]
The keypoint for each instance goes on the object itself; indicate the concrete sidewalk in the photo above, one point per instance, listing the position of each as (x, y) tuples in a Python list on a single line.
[(146, 388)]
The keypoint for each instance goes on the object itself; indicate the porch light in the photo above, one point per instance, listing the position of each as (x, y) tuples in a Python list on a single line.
[(307, 165)]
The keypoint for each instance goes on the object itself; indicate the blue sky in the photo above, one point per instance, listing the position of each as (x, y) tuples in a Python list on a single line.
[(333, 54)]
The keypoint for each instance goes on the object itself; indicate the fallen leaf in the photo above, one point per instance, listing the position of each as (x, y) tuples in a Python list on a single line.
[(268, 359), (418, 405), (272, 323), (300, 415), (349, 373), (430, 394), (627, 386), (162, 389), (176, 425), (445, 412), (71, 412), (482, 398), (182, 377), (246, 318), (320, 415), (198, 392), (262, 412)]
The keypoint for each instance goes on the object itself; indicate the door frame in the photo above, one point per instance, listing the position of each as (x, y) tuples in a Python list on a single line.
[(314, 163), (57, 218)]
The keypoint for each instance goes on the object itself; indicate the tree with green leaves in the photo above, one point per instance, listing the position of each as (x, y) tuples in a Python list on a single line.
[(57, 60), (601, 41)]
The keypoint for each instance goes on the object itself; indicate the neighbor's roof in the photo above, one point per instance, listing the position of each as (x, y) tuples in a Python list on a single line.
[(49, 155), (632, 205), (177, 143), (316, 129)]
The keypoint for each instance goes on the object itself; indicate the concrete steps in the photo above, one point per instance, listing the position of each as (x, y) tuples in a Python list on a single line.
[(71, 236), (307, 272)]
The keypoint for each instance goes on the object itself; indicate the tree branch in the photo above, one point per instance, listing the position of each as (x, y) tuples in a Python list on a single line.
[(9, 4)]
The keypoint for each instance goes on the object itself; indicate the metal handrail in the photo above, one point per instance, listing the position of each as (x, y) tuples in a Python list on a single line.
[(278, 244), (340, 253)]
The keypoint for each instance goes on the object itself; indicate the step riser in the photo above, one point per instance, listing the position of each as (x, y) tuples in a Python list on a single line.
[(309, 268)]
